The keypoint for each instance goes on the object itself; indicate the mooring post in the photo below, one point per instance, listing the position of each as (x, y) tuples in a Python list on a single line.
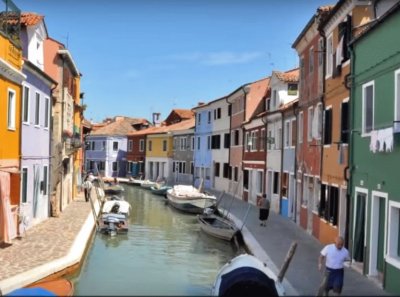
[(286, 263)]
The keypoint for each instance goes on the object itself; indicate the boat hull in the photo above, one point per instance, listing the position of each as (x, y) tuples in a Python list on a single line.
[(194, 205), (217, 227), (160, 191), (59, 287)]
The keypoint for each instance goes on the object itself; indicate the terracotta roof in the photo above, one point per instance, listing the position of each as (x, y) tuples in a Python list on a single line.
[(288, 76), (120, 126), (184, 113), (289, 104), (183, 125), (257, 91), (27, 19)]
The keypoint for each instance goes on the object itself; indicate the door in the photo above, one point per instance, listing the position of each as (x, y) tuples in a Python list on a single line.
[(377, 241), (359, 228)]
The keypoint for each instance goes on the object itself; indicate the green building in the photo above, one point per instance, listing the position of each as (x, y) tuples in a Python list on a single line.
[(375, 148)]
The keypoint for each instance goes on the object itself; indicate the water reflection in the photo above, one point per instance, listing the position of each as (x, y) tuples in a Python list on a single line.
[(163, 253)]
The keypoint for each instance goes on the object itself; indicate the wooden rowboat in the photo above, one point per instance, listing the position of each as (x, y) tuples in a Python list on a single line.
[(217, 226)]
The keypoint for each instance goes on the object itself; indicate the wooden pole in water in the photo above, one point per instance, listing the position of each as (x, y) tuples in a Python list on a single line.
[(286, 263)]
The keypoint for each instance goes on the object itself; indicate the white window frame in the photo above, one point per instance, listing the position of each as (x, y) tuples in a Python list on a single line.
[(246, 141), (115, 150), (141, 145), (300, 133), (37, 109), (393, 233), (130, 145), (310, 117), (112, 166), (287, 134), (319, 110), (262, 139), (25, 105), (22, 181), (260, 182), (46, 113), (397, 97), (329, 56), (364, 87), (45, 189), (209, 142), (11, 110)]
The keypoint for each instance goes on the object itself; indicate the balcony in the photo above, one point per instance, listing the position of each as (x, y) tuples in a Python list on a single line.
[(10, 21)]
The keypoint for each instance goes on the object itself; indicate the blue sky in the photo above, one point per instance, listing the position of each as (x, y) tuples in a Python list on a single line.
[(144, 56)]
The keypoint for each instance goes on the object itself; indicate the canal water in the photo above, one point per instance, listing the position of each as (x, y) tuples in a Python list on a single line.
[(164, 253)]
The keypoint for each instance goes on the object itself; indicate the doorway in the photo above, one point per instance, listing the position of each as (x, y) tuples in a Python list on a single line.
[(359, 228)]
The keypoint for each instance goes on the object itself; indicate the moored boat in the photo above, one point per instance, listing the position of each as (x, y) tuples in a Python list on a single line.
[(189, 199), (161, 190), (59, 287), (114, 217), (113, 189), (245, 275), (217, 226), (147, 184)]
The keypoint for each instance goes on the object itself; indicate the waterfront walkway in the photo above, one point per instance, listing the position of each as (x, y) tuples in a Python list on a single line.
[(271, 244), (47, 248)]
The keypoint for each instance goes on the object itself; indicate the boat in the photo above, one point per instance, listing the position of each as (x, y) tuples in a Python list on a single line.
[(217, 226), (246, 275), (113, 189), (189, 199), (114, 217), (160, 189), (147, 184), (135, 181), (59, 287)]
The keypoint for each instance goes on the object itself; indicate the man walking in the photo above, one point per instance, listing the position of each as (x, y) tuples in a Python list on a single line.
[(87, 186), (334, 255)]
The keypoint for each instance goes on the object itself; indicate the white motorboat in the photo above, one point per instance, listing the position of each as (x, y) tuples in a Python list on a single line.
[(189, 199), (245, 275), (147, 184), (114, 217)]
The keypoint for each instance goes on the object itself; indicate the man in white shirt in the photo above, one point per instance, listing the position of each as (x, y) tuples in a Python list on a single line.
[(334, 255), (87, 186)]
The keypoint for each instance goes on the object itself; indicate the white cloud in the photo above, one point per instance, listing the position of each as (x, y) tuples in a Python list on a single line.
[(219, 58)]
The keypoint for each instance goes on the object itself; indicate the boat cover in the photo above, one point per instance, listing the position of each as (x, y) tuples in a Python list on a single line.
[(246, 281), (31, 292), (124, 207)]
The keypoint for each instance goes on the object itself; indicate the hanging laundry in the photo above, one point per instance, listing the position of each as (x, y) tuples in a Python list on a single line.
[(374, 141), (386, 139)]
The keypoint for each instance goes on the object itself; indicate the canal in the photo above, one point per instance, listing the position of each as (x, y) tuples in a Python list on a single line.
[(164, 253)]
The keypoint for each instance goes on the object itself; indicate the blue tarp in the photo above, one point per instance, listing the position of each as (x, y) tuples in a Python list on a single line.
[(31, 292)]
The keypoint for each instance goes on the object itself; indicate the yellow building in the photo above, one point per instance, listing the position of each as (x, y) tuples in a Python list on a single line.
[(11, 78), (77, 137), (158, 154)]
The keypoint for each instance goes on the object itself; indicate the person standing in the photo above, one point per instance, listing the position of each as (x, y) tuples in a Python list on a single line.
[(264, 210), (333, 255), (87, 187)]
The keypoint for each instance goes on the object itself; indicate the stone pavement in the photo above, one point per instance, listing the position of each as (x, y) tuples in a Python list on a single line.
[(48, 241), (271, 244)]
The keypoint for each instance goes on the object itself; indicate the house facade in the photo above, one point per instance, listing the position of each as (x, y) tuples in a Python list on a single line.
[(284, 87), (183, 148), (375, 107), (36, 127), (339, 28), (136, 154), (309, 46), (159, 156), (11, 78)]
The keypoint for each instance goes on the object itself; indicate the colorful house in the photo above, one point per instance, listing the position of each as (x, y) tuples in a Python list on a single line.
[(254, 147), (346, 18), (375, 148), (60, 66), (183, 148), (284, 88), (36, 126), (106, 147), (309, 46), (11, 78)]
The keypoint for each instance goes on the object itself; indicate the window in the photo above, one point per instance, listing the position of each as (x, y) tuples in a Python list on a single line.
[(93, 145), (393, 249), (301, 119), (344, 133), (175, 144), (209, 117), (368, 108), (192, 142), (273, 105), (45, 180), (328, 126), (182, 142), (218, 112), (247, 141), (235, 173), (278, 139), (275, 189), (285, 184), (191, 168), (287, 134), (141, 145), (164, 145), (130, 145), (37, 109), (227, 140), (208, 142), (114, 166), (46, 112), (216, 169), (292, 89), (229, 110), (310, 123), (318, 121), (294, 133), (262, 140), (329, 204), (216, 141), (24, 186), (226, 170), (103, 143), (254, 140), (320, 51), (198, 143), (199, 119), (25, 106), (208, 170), (11, 110), (260, 182), (311, 59), (268, 104), (270, 140), (150, 145), (102, 165), (246, 179), (329, 56), (115, 145), (235, 137), (397, 97)]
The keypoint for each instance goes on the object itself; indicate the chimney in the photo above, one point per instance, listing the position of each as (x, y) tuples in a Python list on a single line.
[(156, 119), (200, 103)]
